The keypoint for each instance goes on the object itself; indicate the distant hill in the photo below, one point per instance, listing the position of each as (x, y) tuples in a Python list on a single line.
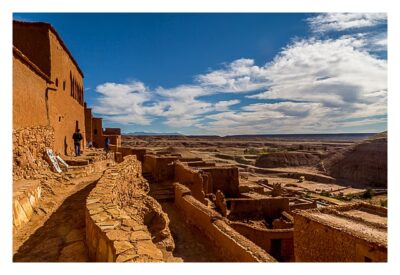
[(151, 134), (364, 162)]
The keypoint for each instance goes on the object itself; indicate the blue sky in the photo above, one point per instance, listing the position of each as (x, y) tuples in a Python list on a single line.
[(225, 74)]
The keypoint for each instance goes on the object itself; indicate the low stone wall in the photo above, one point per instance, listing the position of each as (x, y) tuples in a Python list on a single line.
[(26, 198), (123, 223), (29, 149), (232, 245)]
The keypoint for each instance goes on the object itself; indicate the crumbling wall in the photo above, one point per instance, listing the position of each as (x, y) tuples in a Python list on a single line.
[(264, 238), (232, 245), (29, 149), (123, 223), (318, 240), (162, 168), (194, 180), (225, 179)]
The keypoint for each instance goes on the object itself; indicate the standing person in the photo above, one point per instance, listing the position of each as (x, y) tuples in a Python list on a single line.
[(106, 144), (77, 137)]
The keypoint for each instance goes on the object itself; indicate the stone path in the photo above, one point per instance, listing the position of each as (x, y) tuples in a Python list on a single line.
[(62, 237), (191, 245)]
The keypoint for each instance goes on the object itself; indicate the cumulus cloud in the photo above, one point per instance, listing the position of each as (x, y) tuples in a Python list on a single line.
[(312, 85), (327, 22)]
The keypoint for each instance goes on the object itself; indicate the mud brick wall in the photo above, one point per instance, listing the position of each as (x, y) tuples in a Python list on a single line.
[(225, 179), (316, 242), (232, 245), (194, 180), (263, 238), (123, 223), (162, 168), (29, 149), (29, 89)]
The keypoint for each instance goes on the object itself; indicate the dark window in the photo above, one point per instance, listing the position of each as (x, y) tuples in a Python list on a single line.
[(64, 85), (56, 82), (95, 131)]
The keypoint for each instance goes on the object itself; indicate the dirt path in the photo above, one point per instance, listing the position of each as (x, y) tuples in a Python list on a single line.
[(190, 243), (62, 237)]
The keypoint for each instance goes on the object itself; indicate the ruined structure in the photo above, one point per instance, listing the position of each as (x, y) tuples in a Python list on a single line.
[(350, 233), (139, 205)]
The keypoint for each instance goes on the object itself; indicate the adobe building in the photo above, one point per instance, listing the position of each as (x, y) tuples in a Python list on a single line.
[(47, 84), (349, 233)]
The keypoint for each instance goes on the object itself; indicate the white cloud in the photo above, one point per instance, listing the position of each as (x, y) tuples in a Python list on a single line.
[(317, 85), (345, 21)]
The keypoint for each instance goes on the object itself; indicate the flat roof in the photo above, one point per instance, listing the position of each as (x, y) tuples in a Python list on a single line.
[(360, 220)]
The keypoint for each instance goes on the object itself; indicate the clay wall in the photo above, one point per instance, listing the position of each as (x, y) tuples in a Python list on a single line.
[(33, 41), (162, 168), (316, 242), (29, 89), (225, 179), (112, 131), (114, 139), (265, 238), (232, 245), (66, 103), (194, 180), (123, 223), (97, 127), (269, 207), (88, 125)]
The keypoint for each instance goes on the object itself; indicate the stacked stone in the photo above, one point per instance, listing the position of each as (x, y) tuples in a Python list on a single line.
[(123, 223), (29, 149)]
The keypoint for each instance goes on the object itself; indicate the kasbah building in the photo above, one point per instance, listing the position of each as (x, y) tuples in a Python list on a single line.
[(113, 218), (48, 88)]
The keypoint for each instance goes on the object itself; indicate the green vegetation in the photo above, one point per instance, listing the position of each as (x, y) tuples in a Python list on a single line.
[(383, 203), (301, 179), (325, 193), (369, 193)]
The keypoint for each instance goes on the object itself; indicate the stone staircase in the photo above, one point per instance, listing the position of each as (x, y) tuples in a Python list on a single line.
[(163, 191)]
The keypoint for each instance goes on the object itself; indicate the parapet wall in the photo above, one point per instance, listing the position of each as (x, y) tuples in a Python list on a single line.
[(332, 234), (196, 181), (29, 149), (232, 245), (123, 223), (162, 168), (267, 238), (225, 179)]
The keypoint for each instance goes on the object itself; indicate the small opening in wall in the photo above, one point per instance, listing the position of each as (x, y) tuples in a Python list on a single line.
[(64, 85), (56, 82), (95, 131), (59, 118)]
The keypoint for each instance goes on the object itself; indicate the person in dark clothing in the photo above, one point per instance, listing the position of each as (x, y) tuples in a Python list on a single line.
[(77, 137), (106, 144)]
